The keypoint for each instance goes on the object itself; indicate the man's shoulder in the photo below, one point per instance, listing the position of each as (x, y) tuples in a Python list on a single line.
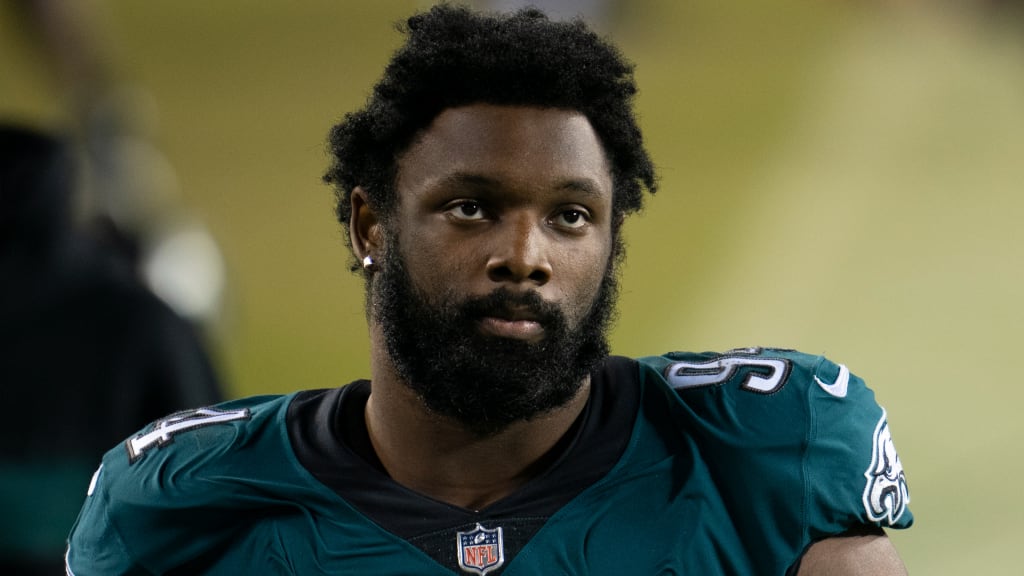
[(766, 393), (172, 457), (754, 370), (792, 419), (183, 482)]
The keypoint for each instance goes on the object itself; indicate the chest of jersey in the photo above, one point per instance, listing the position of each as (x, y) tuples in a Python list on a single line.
[(728, 464), (659, 511)]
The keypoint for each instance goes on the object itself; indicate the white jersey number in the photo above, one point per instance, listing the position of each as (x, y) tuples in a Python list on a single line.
[(768, 375), (163, 431)]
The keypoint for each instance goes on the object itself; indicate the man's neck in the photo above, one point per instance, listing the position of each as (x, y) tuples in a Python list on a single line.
[(439, 458)]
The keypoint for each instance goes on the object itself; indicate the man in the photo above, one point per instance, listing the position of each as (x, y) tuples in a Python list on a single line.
[(483, 188)]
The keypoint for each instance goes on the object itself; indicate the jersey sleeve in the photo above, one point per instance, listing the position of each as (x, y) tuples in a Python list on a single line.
[(175, 490), (799, 435), (95, 545), (853, 473)]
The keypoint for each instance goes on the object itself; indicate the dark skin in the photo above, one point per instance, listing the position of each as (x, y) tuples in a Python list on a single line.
[(518, 197), (489, 197)]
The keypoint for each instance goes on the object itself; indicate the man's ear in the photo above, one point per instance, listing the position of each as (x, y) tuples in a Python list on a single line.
[(364, 226)]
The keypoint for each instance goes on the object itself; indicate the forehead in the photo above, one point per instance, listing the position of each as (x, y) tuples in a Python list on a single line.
[(514, 145)]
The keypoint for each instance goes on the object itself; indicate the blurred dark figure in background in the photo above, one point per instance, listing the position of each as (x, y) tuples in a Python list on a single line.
[(87, 353), (129, 196)]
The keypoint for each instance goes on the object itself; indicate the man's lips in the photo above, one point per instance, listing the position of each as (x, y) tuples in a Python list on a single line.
[(518, 325)]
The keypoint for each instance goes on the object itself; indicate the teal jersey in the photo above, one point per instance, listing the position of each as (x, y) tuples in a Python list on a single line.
[(681, 464)]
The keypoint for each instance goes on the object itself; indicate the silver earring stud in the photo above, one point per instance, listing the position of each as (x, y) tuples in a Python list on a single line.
[(368, 262)]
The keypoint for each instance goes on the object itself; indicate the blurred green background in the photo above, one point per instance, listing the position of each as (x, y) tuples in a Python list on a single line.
[(838, 177)]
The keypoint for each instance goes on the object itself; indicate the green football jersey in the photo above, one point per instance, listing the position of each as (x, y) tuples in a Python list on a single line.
[(680, 464)]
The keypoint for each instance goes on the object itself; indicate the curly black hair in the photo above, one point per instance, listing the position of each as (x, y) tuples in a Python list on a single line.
[(454, 57)]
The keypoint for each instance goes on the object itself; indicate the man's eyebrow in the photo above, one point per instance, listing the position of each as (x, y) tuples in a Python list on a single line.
[(586, 186), (469, 179)]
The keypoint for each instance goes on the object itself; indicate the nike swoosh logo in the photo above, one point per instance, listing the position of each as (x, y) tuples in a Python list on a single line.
[(837, 388)]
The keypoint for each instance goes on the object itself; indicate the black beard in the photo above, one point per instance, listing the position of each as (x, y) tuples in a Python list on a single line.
[(485, 383)]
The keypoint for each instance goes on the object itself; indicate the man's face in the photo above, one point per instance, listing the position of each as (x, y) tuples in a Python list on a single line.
[(497, 285)]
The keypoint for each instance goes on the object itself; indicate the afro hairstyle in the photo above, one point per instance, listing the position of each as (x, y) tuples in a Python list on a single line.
[(453, 57)]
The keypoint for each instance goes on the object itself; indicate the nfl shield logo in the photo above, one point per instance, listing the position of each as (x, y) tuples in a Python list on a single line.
[(480, 550)]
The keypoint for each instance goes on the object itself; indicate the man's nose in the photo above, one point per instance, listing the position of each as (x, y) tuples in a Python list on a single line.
[(520, 251)]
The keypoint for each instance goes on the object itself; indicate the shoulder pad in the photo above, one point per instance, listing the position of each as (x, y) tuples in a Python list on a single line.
[(762, 402)]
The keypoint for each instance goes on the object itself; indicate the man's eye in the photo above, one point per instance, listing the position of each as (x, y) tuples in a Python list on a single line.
[(571, 218), (466, 210)]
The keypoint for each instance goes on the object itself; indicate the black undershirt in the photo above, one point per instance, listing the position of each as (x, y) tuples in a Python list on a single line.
[(328, 434)]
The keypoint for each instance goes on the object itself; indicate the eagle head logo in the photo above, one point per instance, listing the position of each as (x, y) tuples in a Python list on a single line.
[(885, 494)]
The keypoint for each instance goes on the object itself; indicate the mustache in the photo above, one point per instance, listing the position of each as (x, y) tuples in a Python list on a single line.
[(506, 303)]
